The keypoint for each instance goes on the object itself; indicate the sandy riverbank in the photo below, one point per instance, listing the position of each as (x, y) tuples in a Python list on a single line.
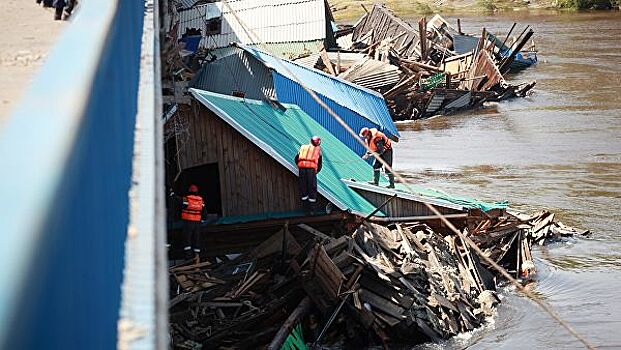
[(351, 10), (28, 32)]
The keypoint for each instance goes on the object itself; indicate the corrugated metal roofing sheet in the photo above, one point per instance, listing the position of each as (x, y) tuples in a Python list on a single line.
[(236, 72), (243, 71), (347, 59), (184, 4), (273, 21), (372, 74), (366, 103), (280, 134)]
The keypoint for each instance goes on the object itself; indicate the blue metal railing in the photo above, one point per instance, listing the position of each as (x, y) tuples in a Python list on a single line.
[(66, 168)]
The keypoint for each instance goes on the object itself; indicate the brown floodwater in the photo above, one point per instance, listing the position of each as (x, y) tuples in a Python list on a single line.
[(558, 149)]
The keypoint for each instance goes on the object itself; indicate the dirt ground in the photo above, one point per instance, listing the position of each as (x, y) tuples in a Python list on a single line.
[(28, 32)]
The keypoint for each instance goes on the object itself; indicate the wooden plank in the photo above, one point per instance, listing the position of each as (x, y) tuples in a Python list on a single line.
[(386, 290), (337, 245), (330, 268), (382, 304), (422, 34), (316, 233), (326, 61)]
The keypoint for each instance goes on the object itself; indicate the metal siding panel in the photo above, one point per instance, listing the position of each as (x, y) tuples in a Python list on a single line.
[(366, 103), (273, 21), (289, 91), (239, 71)]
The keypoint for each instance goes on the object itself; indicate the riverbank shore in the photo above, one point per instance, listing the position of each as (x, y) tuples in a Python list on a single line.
[(351, 10)]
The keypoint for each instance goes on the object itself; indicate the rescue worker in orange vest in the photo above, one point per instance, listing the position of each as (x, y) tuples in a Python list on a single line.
[(192, 214), (309, 164), (381, 145)]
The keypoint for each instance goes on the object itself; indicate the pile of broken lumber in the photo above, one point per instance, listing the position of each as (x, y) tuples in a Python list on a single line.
[(404, 283), (419, 71), (507, 239)]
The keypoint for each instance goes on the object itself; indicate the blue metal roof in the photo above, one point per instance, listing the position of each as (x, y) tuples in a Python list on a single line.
[(366, 103)]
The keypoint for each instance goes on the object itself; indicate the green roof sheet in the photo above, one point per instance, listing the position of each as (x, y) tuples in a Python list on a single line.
[(429, 195), (466, 202), (281, 133)]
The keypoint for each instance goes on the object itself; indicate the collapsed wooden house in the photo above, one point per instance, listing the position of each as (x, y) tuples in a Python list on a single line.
[(240, 153)]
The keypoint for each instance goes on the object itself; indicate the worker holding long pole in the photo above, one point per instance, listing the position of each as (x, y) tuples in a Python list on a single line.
[(380, 144)]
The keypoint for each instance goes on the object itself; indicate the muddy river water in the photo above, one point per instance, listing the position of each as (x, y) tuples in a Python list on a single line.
[(558, 149)]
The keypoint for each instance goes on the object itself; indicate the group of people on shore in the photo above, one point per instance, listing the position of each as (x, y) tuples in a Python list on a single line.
[(60, 6)]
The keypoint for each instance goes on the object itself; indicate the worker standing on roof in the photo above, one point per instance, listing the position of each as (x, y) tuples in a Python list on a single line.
[(192, 214), (309, 162), (380, 145)]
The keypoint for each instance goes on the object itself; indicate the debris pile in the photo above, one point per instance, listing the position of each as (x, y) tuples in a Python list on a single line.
[(430, 70), (404, 283)]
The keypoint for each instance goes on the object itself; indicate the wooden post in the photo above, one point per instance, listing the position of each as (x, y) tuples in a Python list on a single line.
[(459, 26), (422, 32), (481, 43), (297, 315), (508, 34), (448, 80)]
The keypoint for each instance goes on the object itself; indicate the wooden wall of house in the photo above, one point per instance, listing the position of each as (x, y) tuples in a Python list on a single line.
[(400, 207), (251, 182)]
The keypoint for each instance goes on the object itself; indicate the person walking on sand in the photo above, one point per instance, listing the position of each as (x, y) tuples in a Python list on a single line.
[(309, 161), (381, 145), (59, 5)]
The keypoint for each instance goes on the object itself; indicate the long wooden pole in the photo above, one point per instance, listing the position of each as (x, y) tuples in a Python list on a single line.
[(422, 32), (300, 311)]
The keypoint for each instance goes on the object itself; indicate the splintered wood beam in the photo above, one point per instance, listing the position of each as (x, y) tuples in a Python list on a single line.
[(326, 62), (482, 39), (422, 32)]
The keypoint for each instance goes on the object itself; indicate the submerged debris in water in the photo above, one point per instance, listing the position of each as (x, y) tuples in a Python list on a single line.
[(430, 70)]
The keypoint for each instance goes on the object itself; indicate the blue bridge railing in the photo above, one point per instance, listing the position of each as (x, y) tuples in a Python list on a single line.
[(82, 245)]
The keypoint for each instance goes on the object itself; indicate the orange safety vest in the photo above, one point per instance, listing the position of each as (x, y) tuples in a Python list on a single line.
[(308, 157), (377, 135), (194, 209)]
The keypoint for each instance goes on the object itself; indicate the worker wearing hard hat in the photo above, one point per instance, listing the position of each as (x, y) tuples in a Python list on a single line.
[(380, 145), (192, 214), (309, 162)]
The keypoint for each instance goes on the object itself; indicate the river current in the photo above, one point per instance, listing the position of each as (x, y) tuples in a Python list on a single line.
[(558, 149)]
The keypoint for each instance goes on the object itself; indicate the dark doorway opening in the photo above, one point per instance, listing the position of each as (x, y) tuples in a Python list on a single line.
[(207, 178)]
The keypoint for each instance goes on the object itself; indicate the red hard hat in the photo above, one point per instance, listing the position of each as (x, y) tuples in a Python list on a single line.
[(315, 140), (363, 132), (193, 189)]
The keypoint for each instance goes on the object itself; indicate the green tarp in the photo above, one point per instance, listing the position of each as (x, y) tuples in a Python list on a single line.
[(295, 340)]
